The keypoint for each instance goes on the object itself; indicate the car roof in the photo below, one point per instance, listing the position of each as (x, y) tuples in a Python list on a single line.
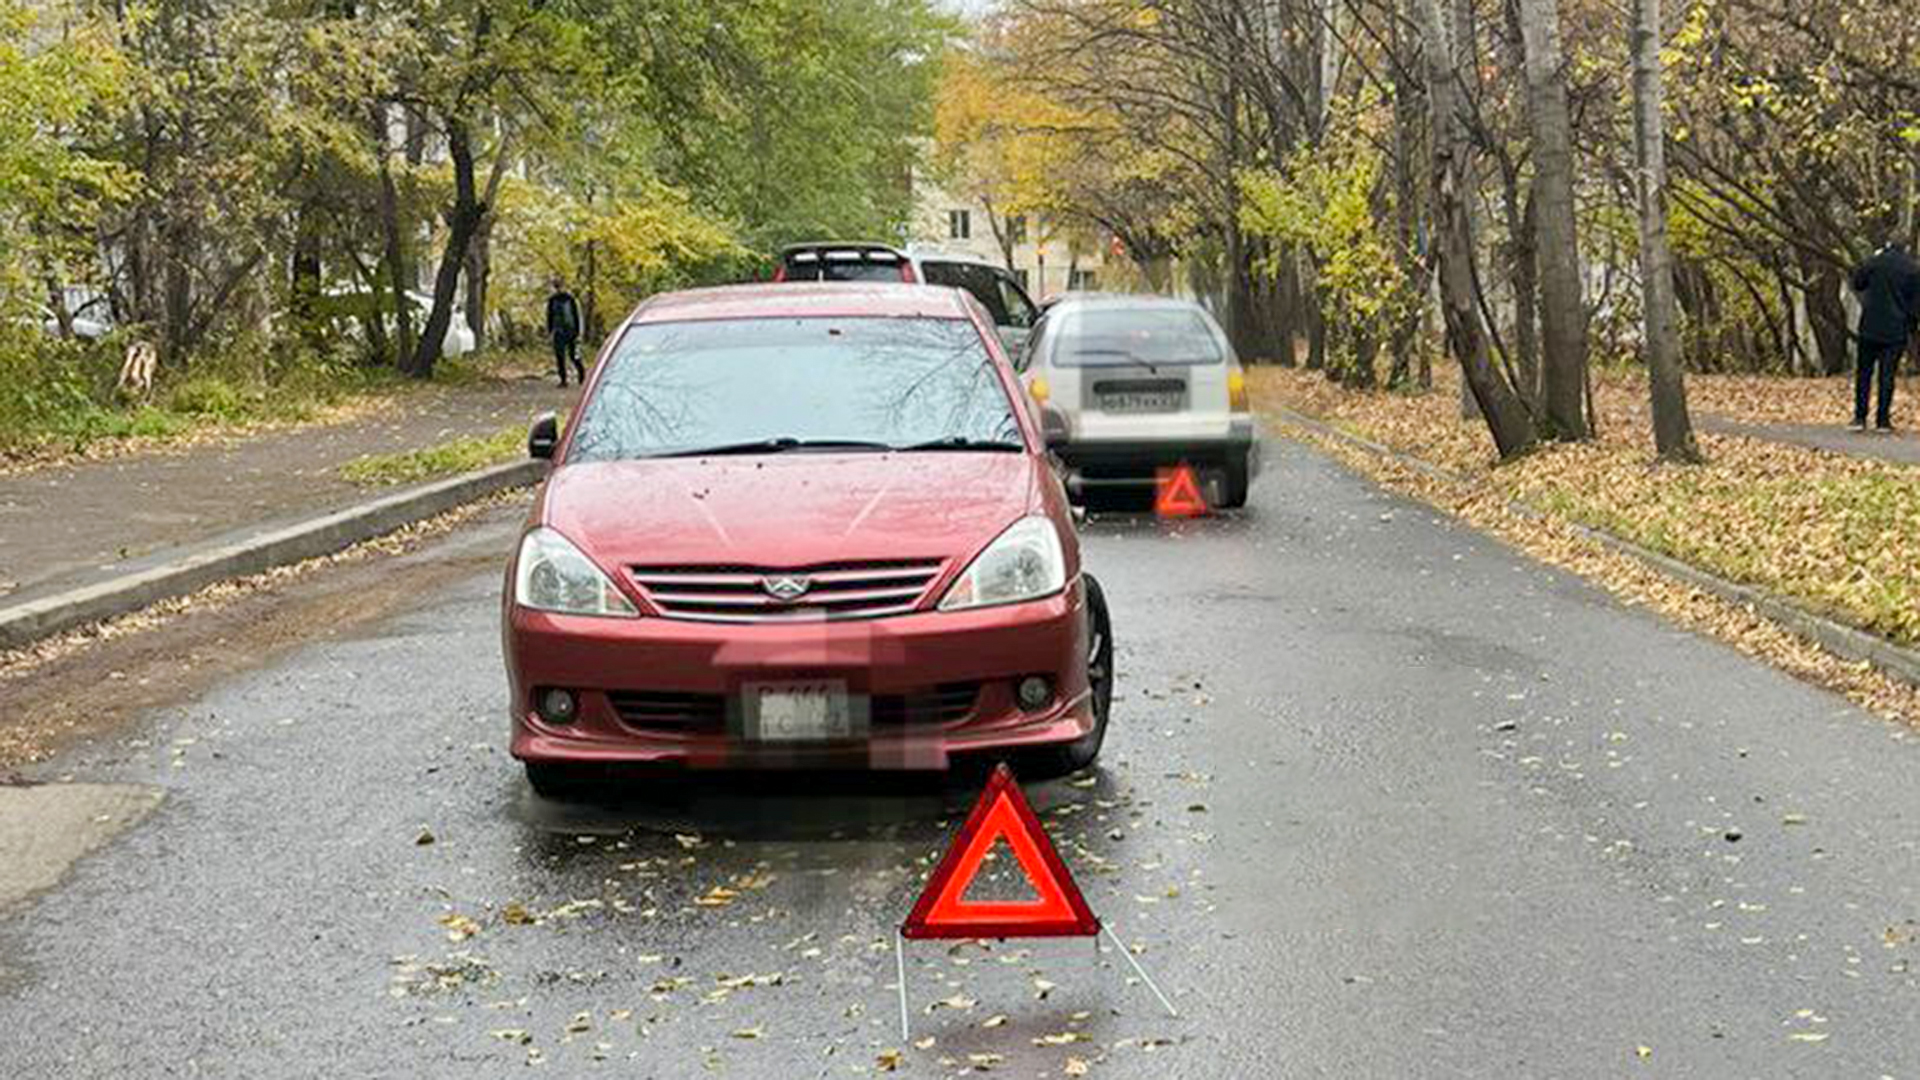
[(927, 254), (805, 299), (1116, 300), (848, 246)]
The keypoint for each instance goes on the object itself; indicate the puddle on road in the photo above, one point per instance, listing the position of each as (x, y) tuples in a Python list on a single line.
[(46, 828)]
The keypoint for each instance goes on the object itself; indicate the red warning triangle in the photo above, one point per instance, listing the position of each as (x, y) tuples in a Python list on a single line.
[(1176, 493), (943, 911)]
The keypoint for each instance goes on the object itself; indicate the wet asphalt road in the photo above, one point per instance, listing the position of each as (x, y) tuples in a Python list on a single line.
[(1381, 799)]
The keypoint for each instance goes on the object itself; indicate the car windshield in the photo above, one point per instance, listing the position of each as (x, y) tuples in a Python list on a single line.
[(1089, 335), (782, 385)]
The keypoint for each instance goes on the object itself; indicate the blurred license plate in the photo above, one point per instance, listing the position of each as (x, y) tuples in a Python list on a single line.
[(797, 712), (1141, 401)]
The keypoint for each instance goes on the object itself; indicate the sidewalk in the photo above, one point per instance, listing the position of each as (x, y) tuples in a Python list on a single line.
[(66, 526), (1900, 448)]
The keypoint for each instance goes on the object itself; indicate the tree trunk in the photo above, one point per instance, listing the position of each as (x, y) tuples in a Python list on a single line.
[(479, 271), (304, 279), (57, 303), (1672, 427), (1524, 279), (1563, 321), (1407, 367), (1506, 416), (394, 233), (462, 222)]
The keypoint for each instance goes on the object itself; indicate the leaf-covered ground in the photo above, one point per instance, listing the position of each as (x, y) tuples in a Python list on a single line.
[(1838, 534)]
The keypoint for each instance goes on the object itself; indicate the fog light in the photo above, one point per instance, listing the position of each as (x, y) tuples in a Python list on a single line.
[(558, 706), (1035, 691)]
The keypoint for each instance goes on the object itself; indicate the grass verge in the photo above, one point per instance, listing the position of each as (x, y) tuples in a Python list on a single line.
[(61, 404), (449, 458)]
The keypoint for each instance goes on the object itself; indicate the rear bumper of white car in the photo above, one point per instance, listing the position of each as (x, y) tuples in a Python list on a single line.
[(1141, 453)]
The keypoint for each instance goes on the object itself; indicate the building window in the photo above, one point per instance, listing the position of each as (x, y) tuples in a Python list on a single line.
[(1017, 229), (1081, 280), (960, 224)]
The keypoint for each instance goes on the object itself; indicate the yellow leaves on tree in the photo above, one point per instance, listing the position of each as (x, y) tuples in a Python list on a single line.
[(1321, 198), (619, 250), (1000, 141)]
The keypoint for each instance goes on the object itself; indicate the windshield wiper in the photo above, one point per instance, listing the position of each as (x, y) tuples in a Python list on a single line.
[(961, 442), (777, 445)]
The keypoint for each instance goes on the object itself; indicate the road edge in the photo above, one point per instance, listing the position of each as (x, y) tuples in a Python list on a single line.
[(1842, 639), (29, 621)]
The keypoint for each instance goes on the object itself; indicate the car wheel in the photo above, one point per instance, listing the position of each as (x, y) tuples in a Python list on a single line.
[(1082, 752), (1234, 495)]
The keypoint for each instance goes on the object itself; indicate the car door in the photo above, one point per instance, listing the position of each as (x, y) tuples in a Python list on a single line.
[(996, 289), (1022, 313)]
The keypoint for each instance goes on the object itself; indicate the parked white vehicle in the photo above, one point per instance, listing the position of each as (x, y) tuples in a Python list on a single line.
[(459, 337), (349, 303), (91, 311), (1142, 383)]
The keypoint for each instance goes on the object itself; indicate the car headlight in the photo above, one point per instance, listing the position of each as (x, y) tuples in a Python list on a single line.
[(552, 575), (1024, 563)]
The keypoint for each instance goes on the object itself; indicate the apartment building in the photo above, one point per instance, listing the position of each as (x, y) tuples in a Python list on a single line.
[(1048, 258)]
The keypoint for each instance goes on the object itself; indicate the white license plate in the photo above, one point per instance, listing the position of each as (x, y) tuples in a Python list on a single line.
[(1135, 401), (797, 712)]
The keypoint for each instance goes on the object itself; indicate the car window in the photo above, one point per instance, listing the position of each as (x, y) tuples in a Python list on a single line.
[(841, 270), (676, 387), (1023, 356), (975, 278), (1093, 335), (1020, 310)]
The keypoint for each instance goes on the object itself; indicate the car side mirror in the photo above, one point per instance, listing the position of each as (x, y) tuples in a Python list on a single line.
[(543, 438), (1053, 427)]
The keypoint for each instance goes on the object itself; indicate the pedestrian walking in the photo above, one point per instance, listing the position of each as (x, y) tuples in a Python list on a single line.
[(563, 327), (1889, 287)]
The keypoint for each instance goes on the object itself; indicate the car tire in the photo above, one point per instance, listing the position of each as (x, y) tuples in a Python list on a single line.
[(1233, 495), (1082, 752)]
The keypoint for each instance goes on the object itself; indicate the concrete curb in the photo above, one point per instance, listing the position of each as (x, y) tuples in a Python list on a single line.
[(1841, 639), (31, 620)]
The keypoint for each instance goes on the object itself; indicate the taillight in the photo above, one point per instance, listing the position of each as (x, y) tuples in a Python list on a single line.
[(780, 272)]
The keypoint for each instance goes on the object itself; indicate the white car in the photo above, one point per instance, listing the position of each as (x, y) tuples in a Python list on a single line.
[(351, 303), (459, 337), (1140, 384), (91, 313)]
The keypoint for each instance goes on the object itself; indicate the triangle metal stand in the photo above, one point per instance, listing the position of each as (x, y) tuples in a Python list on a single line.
[(900, 974)]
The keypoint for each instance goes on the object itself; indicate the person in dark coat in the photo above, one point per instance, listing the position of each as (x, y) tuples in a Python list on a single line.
[(1889, 288), (563, 326)]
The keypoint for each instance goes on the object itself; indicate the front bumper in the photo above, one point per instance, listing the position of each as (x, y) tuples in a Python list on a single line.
[(657, 690)]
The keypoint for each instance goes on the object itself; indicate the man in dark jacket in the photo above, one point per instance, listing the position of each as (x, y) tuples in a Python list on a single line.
[(1889, 288), (563, 326)]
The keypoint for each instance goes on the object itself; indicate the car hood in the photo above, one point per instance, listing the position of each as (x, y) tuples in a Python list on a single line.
[(789, 510)]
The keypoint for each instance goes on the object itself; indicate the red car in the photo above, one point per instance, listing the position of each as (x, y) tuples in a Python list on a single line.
[(802, 525)]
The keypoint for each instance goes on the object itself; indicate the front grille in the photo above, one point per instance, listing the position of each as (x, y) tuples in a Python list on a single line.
[(670, 711), (944, 704), (673, 711), (852, 590)]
